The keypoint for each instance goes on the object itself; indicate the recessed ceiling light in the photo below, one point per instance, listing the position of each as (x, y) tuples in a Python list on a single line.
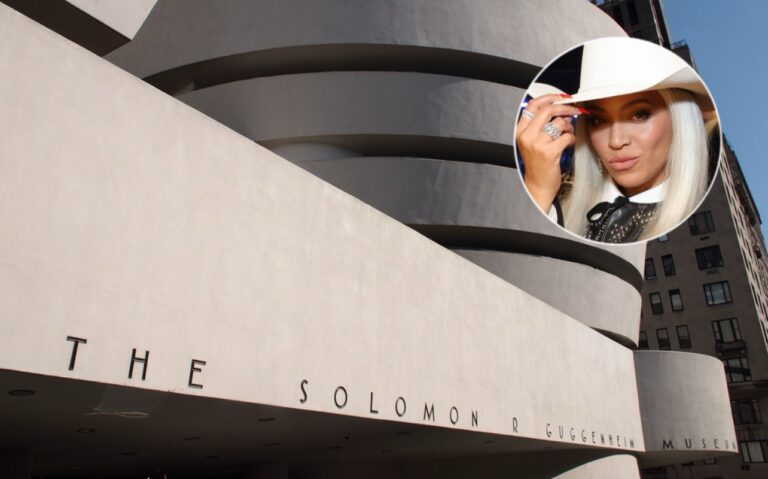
[(86, 430), (266, 419), (21, 392)]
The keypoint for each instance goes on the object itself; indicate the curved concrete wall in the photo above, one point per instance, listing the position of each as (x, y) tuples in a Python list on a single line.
[(290, 107), (178, 34), (422, 191), (431, 191), (161, 230), (423, 86), (620, 466), (567, 464), (577, 290), (684, 405)]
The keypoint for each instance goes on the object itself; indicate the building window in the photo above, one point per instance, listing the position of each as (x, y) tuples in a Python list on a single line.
[(709, 257), (663, 336), (701, 223), (717, 293), (726, 330), (753, 451), (709, 461), (737, 370), (669, 265), (656, 306), (650, 269), (746, 411), (676, 299), (663, 238), (683, 338), (643, 342)]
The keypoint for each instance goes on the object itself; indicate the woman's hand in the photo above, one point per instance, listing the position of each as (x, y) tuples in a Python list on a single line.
[(540, 152)]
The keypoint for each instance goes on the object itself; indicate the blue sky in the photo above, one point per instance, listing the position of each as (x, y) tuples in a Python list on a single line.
[(727, 40)]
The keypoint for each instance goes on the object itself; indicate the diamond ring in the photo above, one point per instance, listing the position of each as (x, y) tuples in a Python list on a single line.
[(551, 130)]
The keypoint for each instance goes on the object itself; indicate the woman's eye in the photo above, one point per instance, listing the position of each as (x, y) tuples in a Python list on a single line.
[(642, 115), (595, 120)]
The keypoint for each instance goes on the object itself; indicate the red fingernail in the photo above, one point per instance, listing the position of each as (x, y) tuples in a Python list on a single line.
[(583, 110), (565, 95)]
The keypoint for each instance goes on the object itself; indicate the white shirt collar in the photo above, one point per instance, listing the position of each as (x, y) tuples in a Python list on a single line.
[(652, 195)]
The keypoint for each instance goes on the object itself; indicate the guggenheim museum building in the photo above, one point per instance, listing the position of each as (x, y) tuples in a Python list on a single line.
[(287, 239)]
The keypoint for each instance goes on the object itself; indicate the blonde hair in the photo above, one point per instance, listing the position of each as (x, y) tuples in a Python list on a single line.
[(685, 172)]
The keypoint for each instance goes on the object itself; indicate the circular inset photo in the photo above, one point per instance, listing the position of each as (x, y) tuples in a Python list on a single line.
[(618, 140)]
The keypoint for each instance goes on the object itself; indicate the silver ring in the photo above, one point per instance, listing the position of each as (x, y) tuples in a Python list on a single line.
[(551, 130), (527, 114)]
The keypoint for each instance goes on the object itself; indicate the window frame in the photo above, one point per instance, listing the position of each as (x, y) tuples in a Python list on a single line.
[(659, 304), (679, 295), (663, 341), (738, 406), (668, 268), (717, 330), (702, 251), (709, 297), (746, 455), (683, 341), (693, 223), (649, 262), (743, 366)]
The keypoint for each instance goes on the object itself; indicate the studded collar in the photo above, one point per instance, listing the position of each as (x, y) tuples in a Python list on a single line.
[(618, 219)]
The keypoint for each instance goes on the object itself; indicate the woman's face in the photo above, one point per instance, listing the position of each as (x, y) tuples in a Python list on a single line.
[(631, 134)]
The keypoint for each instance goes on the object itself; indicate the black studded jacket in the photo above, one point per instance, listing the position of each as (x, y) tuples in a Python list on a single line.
[(619, 221)]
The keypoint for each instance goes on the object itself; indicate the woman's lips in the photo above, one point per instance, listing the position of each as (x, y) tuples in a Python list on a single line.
[(621, 163)]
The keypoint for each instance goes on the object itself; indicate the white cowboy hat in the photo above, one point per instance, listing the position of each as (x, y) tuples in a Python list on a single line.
[(617, 66), (538, 89)]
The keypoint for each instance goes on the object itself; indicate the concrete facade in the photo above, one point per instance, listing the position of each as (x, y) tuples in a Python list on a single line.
[(178, 299)]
